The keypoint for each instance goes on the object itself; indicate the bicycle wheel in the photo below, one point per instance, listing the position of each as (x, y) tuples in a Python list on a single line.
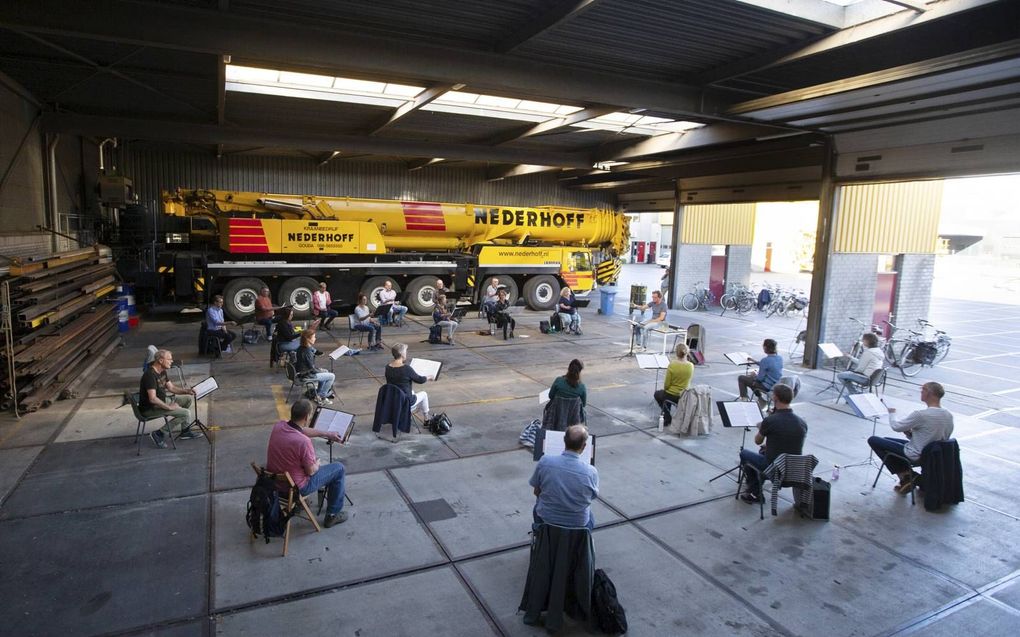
[(908, 365), (689, 302), (771, 309), (942, 350), (728, 302), (745, 304)]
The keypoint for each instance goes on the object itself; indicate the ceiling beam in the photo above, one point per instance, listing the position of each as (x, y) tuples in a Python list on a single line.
[(15, 87), (336, 52), (418, 164), (711, 135), (328, 157), (556, 12), (503, 172), (548, 126), (427, 96), (287, 137), (916, 5)]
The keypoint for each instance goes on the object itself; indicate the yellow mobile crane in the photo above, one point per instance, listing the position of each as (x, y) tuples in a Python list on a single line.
[(242, 241)]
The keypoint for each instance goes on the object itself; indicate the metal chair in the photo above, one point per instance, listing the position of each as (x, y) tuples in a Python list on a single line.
[(294, 499), (352, 323), (309, 383), (131, 398), (876, 380)]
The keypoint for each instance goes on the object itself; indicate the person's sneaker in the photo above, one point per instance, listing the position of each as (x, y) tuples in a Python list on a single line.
[(749, 497), (333, 520), (190, 434), (158, 439), (228, 350), (325, 401)]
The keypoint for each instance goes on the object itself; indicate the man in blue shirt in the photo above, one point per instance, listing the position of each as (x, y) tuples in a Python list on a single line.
[(565, 484), (770, 370), (217, 325)]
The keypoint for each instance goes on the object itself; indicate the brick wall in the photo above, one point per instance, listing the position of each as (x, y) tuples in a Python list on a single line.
[(693, 264), (849, 291), (913, 289), (738, 265)]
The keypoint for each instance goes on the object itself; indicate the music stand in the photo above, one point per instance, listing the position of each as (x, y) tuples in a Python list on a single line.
[(869, 407), (633, 334), (344, 422), (203, 389), (653, 361), (244, 344), (738, 414), (832, 352)]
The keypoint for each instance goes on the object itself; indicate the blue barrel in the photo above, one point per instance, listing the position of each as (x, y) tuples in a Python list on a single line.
[(122, 313), (608, 297)]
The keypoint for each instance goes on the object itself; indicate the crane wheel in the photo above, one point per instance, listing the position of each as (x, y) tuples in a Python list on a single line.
[(421, 295), (373, 286), (239, 297), (297, 293), (542, 292)]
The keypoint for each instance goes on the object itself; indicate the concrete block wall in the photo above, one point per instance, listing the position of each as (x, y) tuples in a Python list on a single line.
[(693, 264), (849, 291), (913, 289), (738, 265)]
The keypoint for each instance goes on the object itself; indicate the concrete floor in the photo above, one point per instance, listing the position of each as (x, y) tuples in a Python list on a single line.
[(95, 540)]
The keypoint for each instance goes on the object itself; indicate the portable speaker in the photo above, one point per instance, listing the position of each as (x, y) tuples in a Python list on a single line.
[(820, 495)]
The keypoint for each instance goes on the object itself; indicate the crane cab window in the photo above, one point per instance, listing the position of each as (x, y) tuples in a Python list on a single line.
[(580, 262)]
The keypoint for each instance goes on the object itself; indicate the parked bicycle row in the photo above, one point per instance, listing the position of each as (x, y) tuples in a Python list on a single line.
[(906, 349)]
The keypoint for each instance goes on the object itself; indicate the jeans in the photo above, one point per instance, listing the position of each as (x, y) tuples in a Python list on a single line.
[(269, 325), (397, 313), (330, 476), (756, 460), (180, 417), (570, 321), (325, 382), (662, 396), (289, 346), (749, 381), (374, 332), (641, 331), (451, 327), (537, 520), (882, 446), (852, 381)]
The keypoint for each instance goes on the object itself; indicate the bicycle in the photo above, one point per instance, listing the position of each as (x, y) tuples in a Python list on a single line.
[(738, 298), (912, 354), (858, 347), (697, 298), (942, 340)]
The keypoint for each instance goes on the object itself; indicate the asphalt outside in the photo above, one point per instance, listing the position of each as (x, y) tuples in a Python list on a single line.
[(96, 540)]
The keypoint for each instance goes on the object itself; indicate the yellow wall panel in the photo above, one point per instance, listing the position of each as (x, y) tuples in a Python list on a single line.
[(898, 218), (718, 224)]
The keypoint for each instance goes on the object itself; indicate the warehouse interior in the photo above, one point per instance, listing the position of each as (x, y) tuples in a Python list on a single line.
[(699, 109)]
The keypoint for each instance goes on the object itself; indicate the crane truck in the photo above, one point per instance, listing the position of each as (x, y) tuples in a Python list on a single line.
[(235, 243)]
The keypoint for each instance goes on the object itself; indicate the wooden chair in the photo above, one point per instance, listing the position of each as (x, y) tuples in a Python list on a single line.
[(131, 398), (287, 506)]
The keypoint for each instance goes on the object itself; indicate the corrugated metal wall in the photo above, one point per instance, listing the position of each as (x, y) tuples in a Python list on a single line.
[(155, 170), (718, 224), (896, 218)]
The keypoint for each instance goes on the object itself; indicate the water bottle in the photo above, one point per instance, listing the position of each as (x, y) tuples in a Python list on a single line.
[(662, 422), (835, 473)]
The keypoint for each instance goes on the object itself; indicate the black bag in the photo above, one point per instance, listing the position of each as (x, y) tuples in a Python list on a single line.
[(439, 424), (436, 334), (265, 516), (764, 298), (924, 353), (555, 324), (543, 326), (606, 611)]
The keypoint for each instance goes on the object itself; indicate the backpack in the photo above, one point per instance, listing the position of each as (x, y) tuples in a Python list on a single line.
[(543, 326), (439, 424), (764, 298), (555, 324), (265, 515), (436, 334), (609, 616)]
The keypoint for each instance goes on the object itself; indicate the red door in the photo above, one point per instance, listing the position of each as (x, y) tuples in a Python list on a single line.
[(885, 296), (640, 258), (651, 252), (717, 277)]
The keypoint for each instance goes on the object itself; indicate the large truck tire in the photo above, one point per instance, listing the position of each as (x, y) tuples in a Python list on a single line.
[(372, 287), (542, 292), (239, 297), (512, 291), (421, 295), (297, 293)]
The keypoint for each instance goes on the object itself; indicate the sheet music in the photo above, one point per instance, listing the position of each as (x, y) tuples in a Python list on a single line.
[(338, 352), (554, 444), (739, 358), (205, 388), (652, 361), (831, 350), (543, 398), (740, 414), (332, 420), (427, 368), (868, 405)]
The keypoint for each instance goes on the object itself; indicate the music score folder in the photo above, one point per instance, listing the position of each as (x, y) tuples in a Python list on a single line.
[(739, 414)]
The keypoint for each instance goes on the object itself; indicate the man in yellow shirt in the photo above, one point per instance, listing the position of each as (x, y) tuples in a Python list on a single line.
[(678, 378)]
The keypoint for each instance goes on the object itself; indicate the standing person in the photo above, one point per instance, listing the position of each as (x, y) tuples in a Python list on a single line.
[(322, 306), (779, 433), (305, 366), (388, 296), (491, 296), (570, 318), (290, 449), (770, 370), (399, 373), (921, 427), (657, 310), (502, 313), (264, 311), (870, 361), (364, 322), (678, 379), (152, 400), (443, 318), (564, 485), (217, 325)]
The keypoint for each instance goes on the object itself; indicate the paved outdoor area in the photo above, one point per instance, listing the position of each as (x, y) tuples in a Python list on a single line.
[(95, 540)]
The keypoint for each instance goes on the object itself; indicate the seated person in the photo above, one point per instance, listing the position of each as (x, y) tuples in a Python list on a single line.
[(770, 370), (363, 322), (322, 306), (288, 339), (152, 400), (921, 427), (570, 386), (444, 319), (491, 296), (501, 314), (678, 379), (264, 311), (657, 310), (388, 296), (870, 361), (780, 432), (290, 449), (305, 367), (399, 373), (565, 485), (216, 325), (570, 318)]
